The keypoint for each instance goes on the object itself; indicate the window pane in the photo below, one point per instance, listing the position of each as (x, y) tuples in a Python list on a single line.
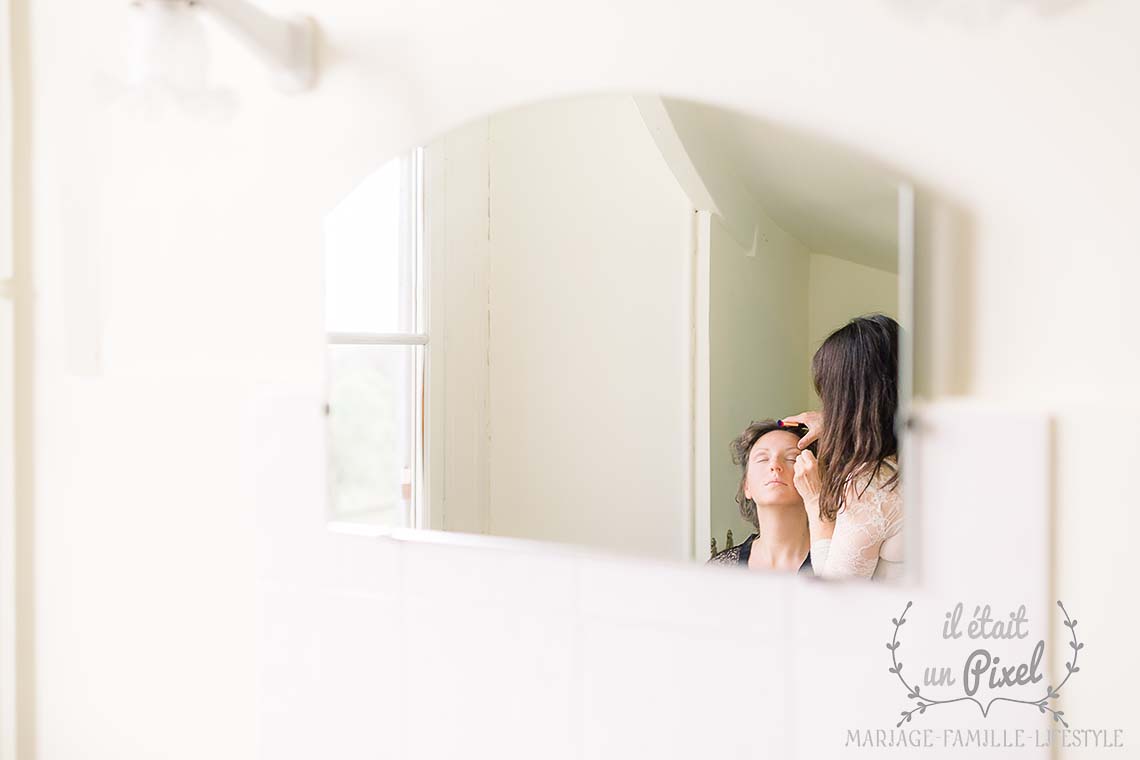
[(369, 255), (370, 432), (7, 417)]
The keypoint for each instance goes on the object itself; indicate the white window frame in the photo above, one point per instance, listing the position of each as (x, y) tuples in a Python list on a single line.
[(11, 333), (418, 338)]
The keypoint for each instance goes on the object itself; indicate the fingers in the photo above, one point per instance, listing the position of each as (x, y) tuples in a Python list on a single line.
[(806, 478), (804, 465), (813, 421)]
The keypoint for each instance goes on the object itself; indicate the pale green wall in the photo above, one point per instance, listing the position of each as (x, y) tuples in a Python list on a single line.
[(840, 290), (768, 313), (758, 336)]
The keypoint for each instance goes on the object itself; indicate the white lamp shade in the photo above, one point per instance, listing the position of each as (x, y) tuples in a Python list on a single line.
[(167, 48)]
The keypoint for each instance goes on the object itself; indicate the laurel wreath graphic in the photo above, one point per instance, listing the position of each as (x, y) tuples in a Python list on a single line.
[(922, 701)]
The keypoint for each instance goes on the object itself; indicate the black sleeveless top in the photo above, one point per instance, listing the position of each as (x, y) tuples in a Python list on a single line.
[(738, 555)]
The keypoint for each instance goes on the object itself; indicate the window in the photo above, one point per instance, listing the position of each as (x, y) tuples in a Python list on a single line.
[(376, 348)]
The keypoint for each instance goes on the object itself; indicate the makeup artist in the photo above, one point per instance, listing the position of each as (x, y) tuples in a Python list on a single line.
[(851, 491)]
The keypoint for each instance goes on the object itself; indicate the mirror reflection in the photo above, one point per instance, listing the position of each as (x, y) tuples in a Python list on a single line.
[(632, 323)]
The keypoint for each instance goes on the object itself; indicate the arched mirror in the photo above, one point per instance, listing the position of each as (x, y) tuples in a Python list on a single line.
[(561, 322)]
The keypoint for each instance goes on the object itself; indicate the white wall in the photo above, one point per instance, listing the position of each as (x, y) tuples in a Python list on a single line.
[(590, 310), (577, 324), (169, 557)]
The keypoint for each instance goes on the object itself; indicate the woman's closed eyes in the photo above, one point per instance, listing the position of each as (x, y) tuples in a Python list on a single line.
[(787, 458)]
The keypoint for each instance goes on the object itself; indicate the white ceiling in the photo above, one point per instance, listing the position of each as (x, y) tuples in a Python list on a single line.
[(835, 201)]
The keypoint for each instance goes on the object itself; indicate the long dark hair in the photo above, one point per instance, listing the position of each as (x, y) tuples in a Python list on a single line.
[(855, 373), (741, 447)]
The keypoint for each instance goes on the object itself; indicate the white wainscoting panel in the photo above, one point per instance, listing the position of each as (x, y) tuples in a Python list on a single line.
[(382, 648)]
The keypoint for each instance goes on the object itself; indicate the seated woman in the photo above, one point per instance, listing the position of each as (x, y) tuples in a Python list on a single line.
[(851, 494), (769, 500)]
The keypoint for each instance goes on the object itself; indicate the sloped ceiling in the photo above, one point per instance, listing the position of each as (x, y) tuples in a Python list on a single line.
[(833, 200)]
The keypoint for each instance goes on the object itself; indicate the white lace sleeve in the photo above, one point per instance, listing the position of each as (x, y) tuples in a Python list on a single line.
[(861, 529), (819, 551)]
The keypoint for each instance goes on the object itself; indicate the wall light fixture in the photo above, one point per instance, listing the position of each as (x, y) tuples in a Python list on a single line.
[(167, 43)]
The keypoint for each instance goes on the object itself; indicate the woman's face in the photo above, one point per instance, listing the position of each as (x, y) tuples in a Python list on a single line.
[(771, 464)]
